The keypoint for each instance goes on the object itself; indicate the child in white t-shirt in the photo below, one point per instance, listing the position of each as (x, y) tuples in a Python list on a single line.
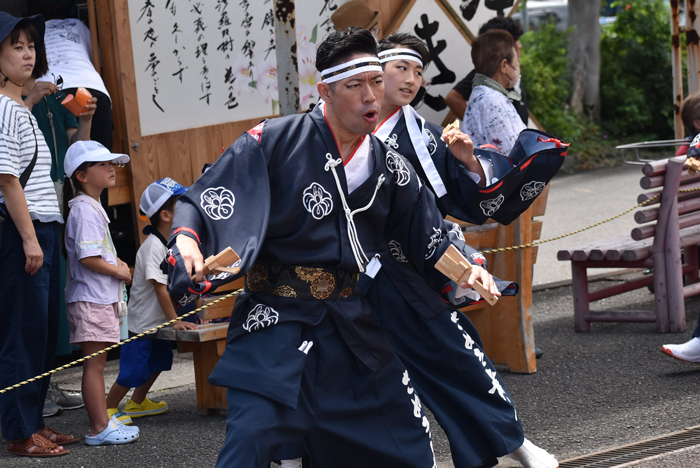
[(142, 360)]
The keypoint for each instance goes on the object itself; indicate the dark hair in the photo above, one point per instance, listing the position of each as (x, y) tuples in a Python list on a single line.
[(490, 49), (511, 25), (690, 112), (168, 205), (41, 65), (406, 41), (71, 187), (339, 46)]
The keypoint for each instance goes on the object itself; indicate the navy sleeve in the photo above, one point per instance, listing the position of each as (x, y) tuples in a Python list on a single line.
[(228, 206), (416, 230)]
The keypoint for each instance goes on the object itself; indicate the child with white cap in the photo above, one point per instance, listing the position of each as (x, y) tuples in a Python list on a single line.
[(142, 361), (95, 273)]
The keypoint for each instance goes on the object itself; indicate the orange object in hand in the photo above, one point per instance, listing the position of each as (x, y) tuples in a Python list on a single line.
[(77, 104)]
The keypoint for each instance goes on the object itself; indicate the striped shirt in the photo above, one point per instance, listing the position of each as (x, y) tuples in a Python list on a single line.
[(17, 146)]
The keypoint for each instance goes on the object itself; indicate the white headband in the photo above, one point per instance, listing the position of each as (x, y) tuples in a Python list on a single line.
[(351, 68), (400, 54)]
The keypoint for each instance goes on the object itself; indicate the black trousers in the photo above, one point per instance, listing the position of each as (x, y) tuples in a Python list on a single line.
[(29, 331)]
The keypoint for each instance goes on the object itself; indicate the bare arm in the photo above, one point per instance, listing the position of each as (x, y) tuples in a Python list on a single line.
[(456, 103), (16, 204), (463, 149), (40, 89), (99, 265), (84, 123), (167, 306)]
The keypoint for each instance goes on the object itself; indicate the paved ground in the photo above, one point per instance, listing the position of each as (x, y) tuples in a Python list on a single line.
[(591, 392)]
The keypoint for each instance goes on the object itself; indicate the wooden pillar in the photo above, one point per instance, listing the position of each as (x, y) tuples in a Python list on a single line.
[(677, 67), (692, 38), (672, 248), (506, 328), (286, 50)]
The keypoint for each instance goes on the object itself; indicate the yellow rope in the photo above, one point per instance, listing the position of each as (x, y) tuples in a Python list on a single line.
[(114, 346), (222, 298), (543, 241)]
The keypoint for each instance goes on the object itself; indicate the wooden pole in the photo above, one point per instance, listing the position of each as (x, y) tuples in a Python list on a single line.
[(672, 248), (692, 38), (286, 50), (92, 19), (677, 67)]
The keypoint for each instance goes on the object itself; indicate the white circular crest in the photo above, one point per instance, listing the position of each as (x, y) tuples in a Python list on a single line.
[(396, 164), (531, 190), (317, 201), (489, 207), (217, 203), (260, 317)]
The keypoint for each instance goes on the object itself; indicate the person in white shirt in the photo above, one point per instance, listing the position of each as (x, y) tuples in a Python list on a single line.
[(491, 117), (141, 361), (69, 52)]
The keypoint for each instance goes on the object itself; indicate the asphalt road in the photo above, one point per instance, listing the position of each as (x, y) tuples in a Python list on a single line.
[(592, 391)]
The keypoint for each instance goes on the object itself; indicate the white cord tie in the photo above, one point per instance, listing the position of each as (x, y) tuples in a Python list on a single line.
[(357, 251)]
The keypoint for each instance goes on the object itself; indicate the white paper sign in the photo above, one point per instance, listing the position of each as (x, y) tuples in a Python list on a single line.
[(208, 62)]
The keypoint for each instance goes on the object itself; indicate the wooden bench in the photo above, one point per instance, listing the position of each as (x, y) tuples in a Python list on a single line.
[(656, 246), (506, 328), (207, 344)]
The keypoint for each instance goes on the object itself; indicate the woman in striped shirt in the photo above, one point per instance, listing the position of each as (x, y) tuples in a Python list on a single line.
[(29, 247)]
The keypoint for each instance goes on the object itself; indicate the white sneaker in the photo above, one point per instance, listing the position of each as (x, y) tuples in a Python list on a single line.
[(531, 456), (688, 352)]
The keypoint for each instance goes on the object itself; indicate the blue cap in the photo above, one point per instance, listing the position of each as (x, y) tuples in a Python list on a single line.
[(157, 193)]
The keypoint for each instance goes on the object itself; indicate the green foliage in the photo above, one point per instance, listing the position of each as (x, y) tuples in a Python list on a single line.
[(545, 64), (635, 84), (636, 87)]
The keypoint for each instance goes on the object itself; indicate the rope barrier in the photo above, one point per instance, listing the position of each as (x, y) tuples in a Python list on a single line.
[(234, 293), (543, 241), (114, 346)]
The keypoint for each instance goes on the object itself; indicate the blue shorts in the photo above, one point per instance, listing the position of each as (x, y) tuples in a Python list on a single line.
[(141, 358)]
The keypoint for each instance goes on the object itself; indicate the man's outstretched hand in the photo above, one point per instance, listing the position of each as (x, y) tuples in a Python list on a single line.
[(189, 251)]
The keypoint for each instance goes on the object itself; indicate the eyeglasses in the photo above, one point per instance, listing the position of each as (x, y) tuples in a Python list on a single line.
[(58, 81)]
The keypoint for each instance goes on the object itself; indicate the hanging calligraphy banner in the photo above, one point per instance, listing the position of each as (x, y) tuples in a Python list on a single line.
[(207, 62), (201, 63)]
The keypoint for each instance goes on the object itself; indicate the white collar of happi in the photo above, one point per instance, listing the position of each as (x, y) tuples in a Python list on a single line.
[(383, 130)]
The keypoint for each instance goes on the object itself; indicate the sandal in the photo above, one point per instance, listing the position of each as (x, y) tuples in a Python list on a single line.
[(41, 445), (58, 438)]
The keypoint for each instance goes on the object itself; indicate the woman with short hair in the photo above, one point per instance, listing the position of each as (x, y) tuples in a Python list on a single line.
[(491, 117), (29, 247)]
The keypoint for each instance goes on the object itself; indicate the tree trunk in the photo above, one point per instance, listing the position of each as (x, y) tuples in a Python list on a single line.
[(584, 52)]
